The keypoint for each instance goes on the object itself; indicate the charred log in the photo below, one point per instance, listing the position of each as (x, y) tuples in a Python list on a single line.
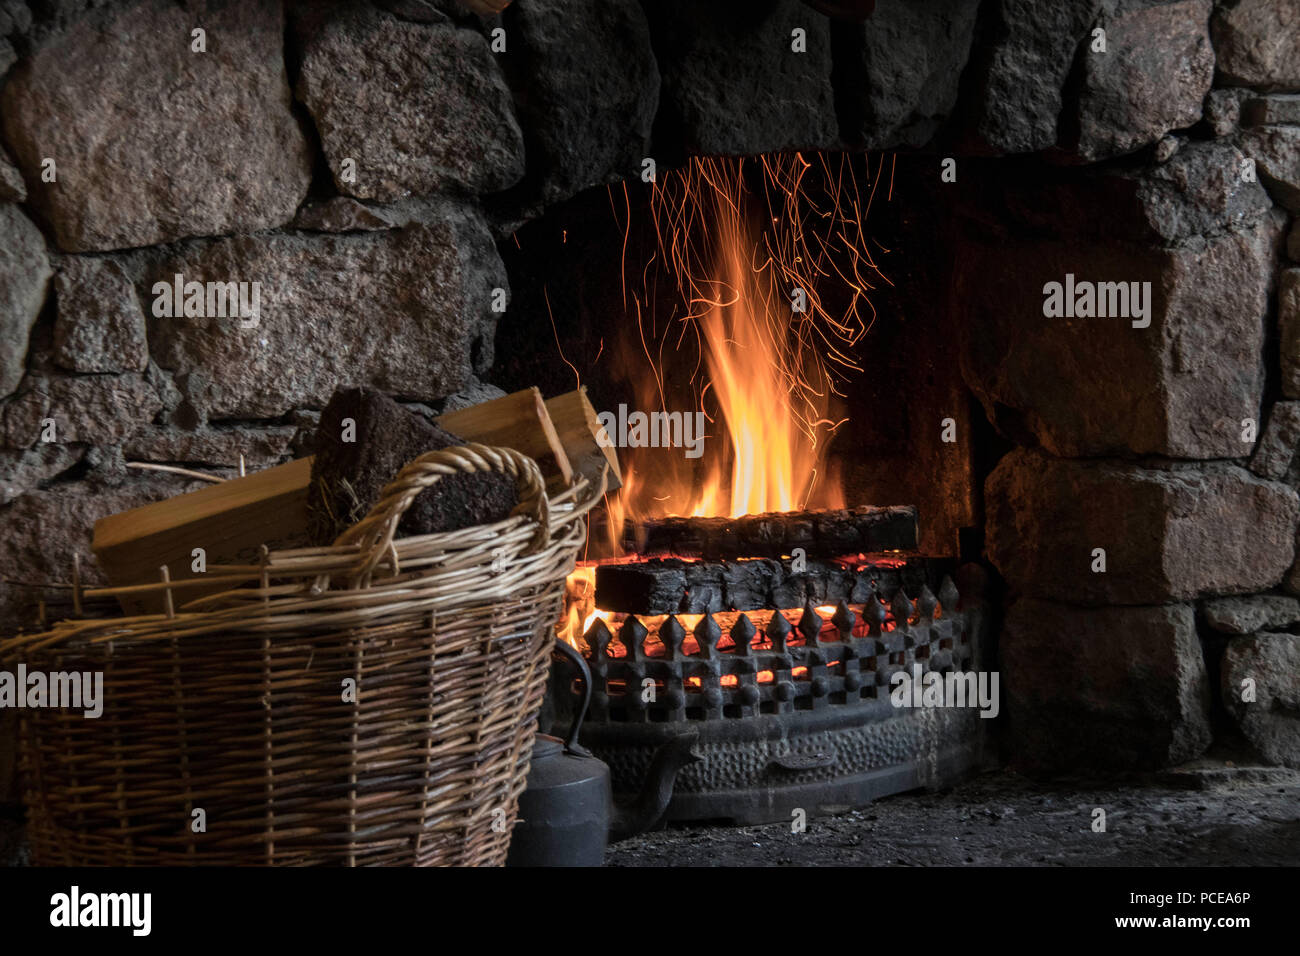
[(821, 534), (673, 586)]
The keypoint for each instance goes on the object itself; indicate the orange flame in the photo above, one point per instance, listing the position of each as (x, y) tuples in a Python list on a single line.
[(774, 281)]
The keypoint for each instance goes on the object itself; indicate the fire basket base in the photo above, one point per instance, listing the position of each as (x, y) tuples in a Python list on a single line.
[(763, 769), (795, 716)]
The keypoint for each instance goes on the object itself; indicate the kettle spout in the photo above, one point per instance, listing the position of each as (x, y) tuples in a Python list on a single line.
[(648, 807)]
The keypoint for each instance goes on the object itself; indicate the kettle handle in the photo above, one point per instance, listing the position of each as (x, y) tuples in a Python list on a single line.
[(571, 652)]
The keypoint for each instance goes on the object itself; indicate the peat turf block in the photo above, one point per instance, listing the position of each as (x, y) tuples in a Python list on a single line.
[(348, 477)]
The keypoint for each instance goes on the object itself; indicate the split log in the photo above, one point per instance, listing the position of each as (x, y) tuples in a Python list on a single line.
[(519, 421), (229, 521), (821, 534), (588, 448), (672, 586)]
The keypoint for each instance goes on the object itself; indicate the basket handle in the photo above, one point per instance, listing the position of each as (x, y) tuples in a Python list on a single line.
[(374, 533)]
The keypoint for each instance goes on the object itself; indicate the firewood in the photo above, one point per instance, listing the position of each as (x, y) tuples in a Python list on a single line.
[(821, 534), (229, 522), (364, 439), (232, 520), (588, 447), (519, 421)]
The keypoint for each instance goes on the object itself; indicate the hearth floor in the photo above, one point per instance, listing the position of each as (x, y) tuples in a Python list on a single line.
[(1206, 814)]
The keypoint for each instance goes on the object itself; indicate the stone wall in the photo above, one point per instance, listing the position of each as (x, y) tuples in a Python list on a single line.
[(1146, 525), (361, 161)]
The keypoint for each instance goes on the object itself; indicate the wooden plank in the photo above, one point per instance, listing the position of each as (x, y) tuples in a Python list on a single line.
[(588, 447), (519, 421), (229, 521)]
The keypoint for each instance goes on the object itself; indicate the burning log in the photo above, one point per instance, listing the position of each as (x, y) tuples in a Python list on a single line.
[(672, 586), (821, 534)]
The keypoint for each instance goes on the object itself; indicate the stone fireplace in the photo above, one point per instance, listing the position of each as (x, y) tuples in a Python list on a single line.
[(1082, 367)]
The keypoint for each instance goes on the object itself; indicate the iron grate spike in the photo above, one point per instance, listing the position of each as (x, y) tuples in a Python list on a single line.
[(810, 623), (743, 632), (926, 602), (843, 618), (778, 630), (901, 608), (875, 611), (672, 633), (708, 633), (632, 635), (598, 637), (948, 596)]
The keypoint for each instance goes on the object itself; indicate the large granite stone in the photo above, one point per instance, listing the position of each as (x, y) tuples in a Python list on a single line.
[(589, 88), (1257, 43), (1103, 688), (22, 471), (1168, 535), (1023, 72), (12, 187), (733, 84), (152, 141), (1153, 77), (1276, 151), (1180, 387), (417, 108), (897, 73), (91, 409), (1277, 444), (1288, 321), (1256, 612), (260, 447), (24, 275), (406, 311), (1199, 191), (100, 324), (42, 530), (1282, 109), (1271, 665)]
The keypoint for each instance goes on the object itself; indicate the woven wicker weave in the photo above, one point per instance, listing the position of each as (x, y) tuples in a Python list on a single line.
[(234, 704)]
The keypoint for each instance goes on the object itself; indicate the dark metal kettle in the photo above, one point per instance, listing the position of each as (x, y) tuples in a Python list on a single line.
[(567, 814)]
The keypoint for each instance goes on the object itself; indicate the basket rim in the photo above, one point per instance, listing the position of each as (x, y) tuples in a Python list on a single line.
[(301, 587)]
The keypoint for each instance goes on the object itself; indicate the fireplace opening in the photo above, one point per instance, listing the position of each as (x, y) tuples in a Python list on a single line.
[(796, 304), (767, 344)]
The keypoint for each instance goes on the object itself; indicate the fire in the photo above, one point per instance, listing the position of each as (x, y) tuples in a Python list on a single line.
[(579, 605), (773, 276)]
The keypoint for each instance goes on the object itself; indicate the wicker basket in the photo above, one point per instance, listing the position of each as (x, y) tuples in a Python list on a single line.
[(235, 705)]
